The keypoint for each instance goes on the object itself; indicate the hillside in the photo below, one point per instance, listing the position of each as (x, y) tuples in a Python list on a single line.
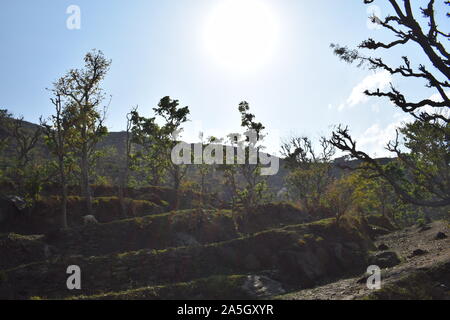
[(205, 250), (115, 141)]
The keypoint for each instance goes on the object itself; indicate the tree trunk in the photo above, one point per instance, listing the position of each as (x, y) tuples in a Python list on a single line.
[(62, 174), (177, 187), (85, 188)]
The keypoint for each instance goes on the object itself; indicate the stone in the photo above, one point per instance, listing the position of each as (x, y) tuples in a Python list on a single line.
[(383, 247), (185, 240), (386, 259), (418, 252), (262, 286), (441, 236)]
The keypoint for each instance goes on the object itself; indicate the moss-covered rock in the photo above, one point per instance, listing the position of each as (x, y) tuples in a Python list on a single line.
[(425, 284)]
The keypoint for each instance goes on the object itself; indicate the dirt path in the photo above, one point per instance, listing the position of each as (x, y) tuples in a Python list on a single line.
[(403, 242)]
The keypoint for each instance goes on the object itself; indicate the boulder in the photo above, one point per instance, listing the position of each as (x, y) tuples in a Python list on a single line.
[(262, 287), (418, 252), (440, 236), (386, 259), (185, 240)]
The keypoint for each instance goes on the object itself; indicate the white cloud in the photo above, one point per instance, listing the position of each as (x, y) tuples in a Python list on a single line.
[(374, 140), (379, 80), (433, 110)]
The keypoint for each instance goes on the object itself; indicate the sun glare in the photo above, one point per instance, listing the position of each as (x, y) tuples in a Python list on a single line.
[(241, 35)]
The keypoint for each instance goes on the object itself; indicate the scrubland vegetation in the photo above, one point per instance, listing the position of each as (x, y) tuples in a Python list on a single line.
[(168, 231)]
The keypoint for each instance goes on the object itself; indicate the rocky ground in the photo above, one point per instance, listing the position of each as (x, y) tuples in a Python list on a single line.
[(418, 249)]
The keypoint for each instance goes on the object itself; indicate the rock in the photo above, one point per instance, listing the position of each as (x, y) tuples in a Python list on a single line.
[(386, 259), (262, 286), (383, 247), (362, 280), (418, 252), (185, 240), (441, 236)]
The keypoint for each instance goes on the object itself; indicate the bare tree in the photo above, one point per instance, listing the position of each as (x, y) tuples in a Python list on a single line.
[(311, 170), (431, 115)]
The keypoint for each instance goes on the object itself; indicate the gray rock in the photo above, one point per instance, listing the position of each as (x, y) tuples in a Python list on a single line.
[(262, 286), (386, 259), (185, 240), (441, 236), (418, 252)]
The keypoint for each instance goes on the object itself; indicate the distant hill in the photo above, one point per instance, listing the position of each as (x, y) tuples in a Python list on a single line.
[(116, 140)]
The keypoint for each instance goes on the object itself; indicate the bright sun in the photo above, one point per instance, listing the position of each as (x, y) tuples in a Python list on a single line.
[(241, 35)]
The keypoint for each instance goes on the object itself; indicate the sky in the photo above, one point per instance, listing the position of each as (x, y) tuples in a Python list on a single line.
[(191, 50)]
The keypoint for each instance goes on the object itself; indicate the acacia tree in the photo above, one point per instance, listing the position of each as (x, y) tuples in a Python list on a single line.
[(81, 88), (427, 179)]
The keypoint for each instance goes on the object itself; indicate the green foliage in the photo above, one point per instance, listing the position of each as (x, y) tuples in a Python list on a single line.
[(310, 173), (153, 157)]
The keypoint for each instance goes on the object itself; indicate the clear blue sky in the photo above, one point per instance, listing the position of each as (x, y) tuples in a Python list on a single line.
[(158, 49)]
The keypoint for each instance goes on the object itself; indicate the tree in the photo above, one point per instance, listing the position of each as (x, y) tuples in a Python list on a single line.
[(25, 172), (339, 198), (5, 128), (311, 171), (230, 171), (205, 169), (374, 195), (427, 168), (174, 118), (150, 157), (58, 133), (25, 139), (124, 174), (255, 189), (157, 141), (81, 88)]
